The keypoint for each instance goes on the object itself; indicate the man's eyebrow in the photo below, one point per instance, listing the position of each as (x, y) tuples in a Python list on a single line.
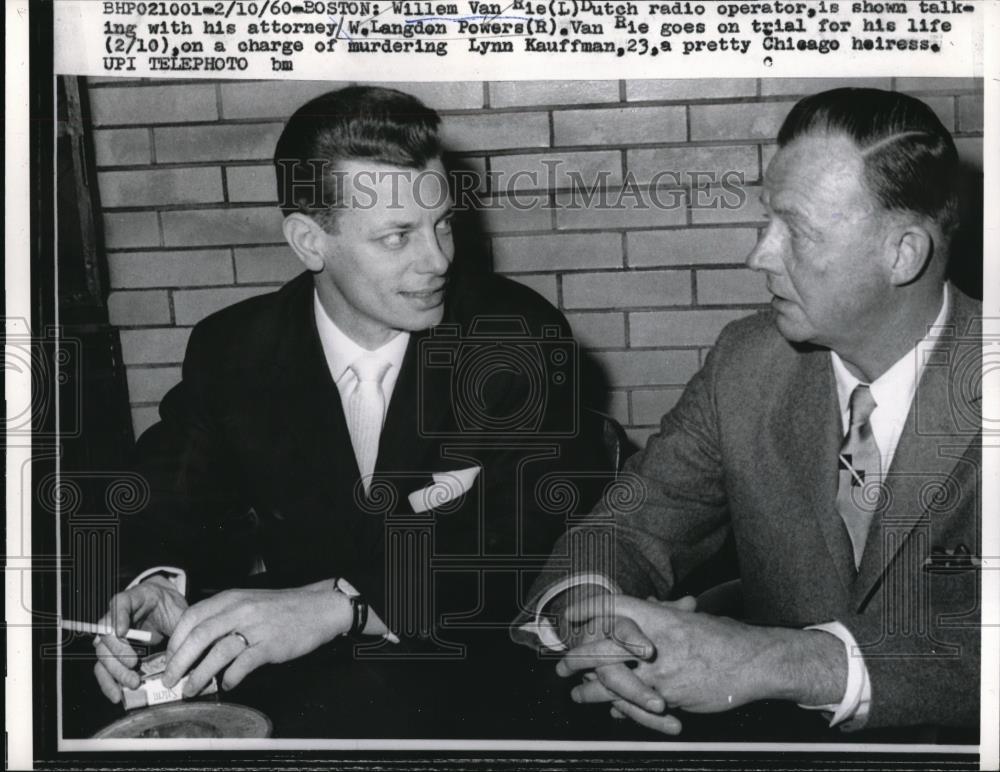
[(396, 225), (790, 210)]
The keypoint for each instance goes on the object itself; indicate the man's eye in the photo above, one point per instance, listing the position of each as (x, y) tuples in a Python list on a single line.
[(799, 234), (395, 240), (445, 225)]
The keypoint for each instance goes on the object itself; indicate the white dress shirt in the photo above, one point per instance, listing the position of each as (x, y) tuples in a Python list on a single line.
[(341, 352)]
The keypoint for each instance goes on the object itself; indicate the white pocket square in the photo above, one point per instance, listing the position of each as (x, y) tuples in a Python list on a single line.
[(447, 486)]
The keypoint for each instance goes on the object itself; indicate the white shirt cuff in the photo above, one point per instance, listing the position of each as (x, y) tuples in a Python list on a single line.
[(176, 576), (542, 627), (852, 711)]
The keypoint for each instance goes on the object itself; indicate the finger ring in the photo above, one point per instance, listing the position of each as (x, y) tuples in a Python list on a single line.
[(242, 637)]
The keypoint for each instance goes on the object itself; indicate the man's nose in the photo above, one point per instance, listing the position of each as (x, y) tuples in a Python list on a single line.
[(437, 253), (766, 254)]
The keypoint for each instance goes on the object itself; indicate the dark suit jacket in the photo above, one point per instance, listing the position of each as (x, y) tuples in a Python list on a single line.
[(750, 451), (252, 457)]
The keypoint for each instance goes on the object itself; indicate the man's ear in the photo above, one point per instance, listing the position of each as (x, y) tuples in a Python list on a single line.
[(912, 249), (307, 239)]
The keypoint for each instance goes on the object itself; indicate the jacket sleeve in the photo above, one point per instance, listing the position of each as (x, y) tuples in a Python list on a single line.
[(665, 515), (193, 490)]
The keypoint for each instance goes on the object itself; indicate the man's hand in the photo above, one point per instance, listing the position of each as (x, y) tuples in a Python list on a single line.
[(273, 626), (593, 623), (707, 664), (154, 606)]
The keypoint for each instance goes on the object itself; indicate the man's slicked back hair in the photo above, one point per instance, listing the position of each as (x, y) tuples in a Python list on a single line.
[(363, 123), (911, 163)]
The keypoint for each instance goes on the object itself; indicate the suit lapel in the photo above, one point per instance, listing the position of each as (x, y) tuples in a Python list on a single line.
[(409, 444), (811, 448), (942, 421), (415, 411), (308, 429)]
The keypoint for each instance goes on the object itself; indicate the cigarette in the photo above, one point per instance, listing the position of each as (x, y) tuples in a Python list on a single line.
[(140, 636)]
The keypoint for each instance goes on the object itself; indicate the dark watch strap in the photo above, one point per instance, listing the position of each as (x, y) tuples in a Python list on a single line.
[(359, 608), (359, 619)]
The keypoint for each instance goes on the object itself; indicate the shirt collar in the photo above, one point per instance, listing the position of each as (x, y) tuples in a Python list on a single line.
[(341, 351), (897, 385)]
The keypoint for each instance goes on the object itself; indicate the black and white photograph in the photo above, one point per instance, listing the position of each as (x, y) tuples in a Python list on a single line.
[(596, 422)]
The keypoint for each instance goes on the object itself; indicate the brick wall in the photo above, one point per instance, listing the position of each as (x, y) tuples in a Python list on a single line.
[(190, 224)]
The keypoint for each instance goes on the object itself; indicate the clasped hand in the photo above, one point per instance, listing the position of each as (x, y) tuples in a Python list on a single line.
[(681, 658), (273, 625)]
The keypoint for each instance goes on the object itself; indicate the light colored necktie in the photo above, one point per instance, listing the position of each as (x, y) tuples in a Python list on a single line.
[(366, 411), (859, 472)]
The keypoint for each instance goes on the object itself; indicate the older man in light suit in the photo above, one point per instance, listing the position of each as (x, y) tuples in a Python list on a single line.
[(835, 437)]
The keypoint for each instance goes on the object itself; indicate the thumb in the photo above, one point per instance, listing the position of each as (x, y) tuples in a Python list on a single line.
[(121, 607), (687, 603), (631, 637)]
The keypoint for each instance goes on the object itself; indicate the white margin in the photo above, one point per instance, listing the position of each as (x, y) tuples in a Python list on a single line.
[(17, 291), (990, 687)]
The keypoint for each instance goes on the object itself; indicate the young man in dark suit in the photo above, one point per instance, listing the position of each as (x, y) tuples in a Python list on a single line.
[(835, 439), (356, 454)]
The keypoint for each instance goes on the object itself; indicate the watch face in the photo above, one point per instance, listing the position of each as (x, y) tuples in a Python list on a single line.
[(347, 588)]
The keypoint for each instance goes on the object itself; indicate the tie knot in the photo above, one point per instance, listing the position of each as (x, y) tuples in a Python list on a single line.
[(862, 404), (370, 368)]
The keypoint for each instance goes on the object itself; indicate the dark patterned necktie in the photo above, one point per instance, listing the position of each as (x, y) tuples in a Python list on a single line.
[(860, 471)]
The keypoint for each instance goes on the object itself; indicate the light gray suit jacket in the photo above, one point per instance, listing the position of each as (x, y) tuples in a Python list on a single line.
[(751, 448)]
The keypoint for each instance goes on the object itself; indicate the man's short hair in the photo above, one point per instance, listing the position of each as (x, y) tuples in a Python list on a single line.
[(911, 163), (367, 123)]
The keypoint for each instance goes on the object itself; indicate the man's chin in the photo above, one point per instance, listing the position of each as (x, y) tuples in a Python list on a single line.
[(791, 330), (423, 320)]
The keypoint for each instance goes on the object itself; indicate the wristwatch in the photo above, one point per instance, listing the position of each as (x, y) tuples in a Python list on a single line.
[(359, 607)]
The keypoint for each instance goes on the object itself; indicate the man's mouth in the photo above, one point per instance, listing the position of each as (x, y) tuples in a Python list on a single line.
[(423, 294), (428, 297)]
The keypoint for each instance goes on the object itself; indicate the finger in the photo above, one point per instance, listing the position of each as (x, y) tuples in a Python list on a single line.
[(592, 655), (190, 619), (251, 659), (687, 603), (108, 684), (200, 612), (598, 606), (120, 648), (627, 634), (221, 654), (118, 664), (615, 713), (667, 724), (620, 680), (622, 630), (192, 646), (592, 691), (121, 606), (122, 609)]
